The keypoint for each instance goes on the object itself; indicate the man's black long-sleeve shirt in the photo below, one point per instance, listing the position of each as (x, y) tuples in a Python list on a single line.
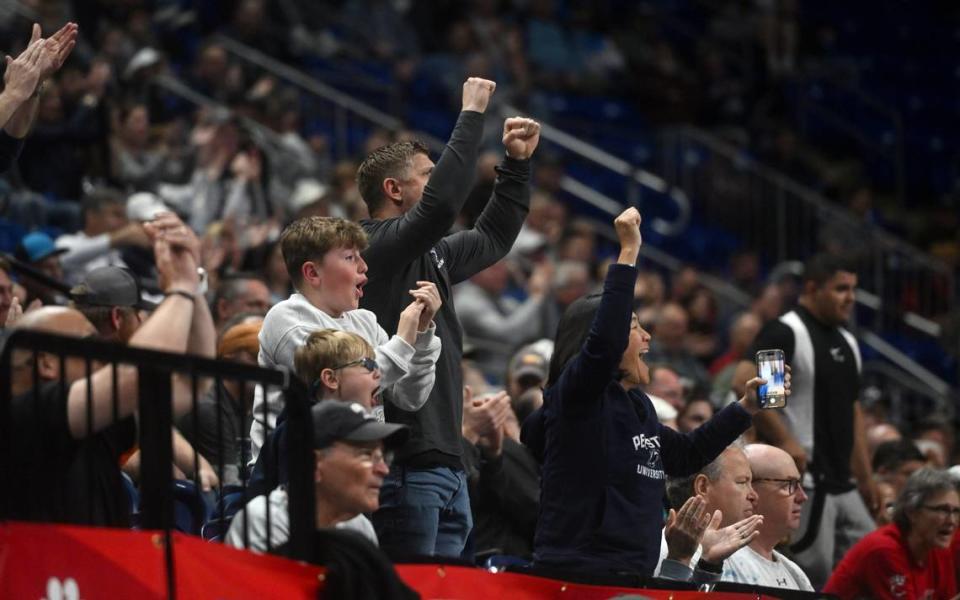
[(416, 247)]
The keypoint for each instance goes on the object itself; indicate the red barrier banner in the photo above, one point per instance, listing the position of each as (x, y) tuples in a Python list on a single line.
[(60, 562)]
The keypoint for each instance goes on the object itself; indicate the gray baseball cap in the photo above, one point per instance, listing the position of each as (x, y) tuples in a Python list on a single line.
[(110, 286)]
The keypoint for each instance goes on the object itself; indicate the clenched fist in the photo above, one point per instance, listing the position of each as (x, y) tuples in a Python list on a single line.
[(476, 93), (520, 137)]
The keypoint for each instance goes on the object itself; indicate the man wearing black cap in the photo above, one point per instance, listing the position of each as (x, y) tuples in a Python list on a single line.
[(352, 452), (111, 299)]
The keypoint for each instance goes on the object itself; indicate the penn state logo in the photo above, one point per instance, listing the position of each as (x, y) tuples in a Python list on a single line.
[(652, 466), (437, 259), (653, 459)]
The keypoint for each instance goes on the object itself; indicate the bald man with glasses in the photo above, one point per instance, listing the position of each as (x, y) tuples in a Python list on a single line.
[(780, 499)]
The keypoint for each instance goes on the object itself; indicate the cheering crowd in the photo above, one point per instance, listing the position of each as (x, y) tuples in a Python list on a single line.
[(595, 429)]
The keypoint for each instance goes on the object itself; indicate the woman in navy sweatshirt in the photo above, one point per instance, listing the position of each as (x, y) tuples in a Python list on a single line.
[(604, 453)]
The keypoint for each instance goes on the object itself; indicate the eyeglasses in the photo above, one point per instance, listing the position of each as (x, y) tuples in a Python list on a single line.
[(790, 485), (372, 456), (945, 510), (366, 362)]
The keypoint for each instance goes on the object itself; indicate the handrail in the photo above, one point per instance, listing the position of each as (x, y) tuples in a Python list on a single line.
[(308, 83), (905, 362), (620, 167), (266, 134), (817, 200), (714, 284), (905, 380)]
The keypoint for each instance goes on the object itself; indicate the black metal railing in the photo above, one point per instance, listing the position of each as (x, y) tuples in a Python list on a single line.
[(160, 376)]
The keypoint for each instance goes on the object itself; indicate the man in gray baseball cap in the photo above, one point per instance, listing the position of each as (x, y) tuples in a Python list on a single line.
[(111, 298)]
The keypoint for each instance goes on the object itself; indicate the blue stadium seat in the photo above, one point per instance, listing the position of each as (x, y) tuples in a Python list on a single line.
[(216, 526), (190, 508)]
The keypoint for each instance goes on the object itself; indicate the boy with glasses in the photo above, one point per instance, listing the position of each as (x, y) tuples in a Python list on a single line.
[(780, 499), (335, 365)]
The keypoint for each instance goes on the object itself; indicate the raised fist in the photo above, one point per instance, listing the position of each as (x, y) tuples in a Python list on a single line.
[(520, 137), (476, 94), (628, 228)]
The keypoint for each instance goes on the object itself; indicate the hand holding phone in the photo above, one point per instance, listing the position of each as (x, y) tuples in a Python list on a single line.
[(771, 368)]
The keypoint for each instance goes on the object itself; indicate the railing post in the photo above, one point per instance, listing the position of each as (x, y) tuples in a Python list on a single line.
[(156, 457), (300, 468), (6, 399)]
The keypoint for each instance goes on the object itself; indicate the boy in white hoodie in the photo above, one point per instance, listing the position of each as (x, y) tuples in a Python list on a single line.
[(322, 256)]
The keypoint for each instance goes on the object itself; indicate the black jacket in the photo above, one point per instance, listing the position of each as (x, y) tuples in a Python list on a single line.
[(416, 247)]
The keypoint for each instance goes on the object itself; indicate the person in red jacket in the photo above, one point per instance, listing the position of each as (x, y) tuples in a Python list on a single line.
[(909, 559)]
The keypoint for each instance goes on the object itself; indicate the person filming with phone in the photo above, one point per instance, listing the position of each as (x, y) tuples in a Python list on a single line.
[(605, 455), (821, 426)]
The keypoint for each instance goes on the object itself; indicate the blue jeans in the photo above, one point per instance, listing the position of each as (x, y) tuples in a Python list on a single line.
[(423, 512)]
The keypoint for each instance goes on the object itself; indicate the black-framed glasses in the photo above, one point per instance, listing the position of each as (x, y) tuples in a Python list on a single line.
[(790, 485), (945, 510), (366, 362)]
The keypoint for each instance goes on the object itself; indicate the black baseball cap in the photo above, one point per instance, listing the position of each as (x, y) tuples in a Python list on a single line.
[(335, 421), (110, 286)]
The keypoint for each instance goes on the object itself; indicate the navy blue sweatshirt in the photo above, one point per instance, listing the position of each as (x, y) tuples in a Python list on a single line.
[(605, 454)]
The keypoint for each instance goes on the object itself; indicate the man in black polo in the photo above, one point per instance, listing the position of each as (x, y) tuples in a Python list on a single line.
[(822, 425), (425, 509)]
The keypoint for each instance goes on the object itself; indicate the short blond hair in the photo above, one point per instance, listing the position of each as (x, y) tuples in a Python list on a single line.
[(311, 238), (328, 349)]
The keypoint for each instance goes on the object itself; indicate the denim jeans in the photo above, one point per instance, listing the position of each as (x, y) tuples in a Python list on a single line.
[(423, 512)]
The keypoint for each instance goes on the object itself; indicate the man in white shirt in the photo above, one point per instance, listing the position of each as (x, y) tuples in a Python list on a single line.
[(105, 231), (780, 499), (352, 452), (721, 500)]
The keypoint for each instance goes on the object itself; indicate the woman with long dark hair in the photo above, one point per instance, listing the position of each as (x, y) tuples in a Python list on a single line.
[(605, 455)]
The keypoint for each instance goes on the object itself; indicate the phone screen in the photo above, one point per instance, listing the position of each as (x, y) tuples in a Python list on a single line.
[(770, 366)]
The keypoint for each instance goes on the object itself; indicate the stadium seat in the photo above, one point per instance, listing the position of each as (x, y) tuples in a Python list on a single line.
[(190, 509), (233, 499)]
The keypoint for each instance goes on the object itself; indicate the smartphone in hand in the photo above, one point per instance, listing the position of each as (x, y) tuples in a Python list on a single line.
[(770, 366)]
